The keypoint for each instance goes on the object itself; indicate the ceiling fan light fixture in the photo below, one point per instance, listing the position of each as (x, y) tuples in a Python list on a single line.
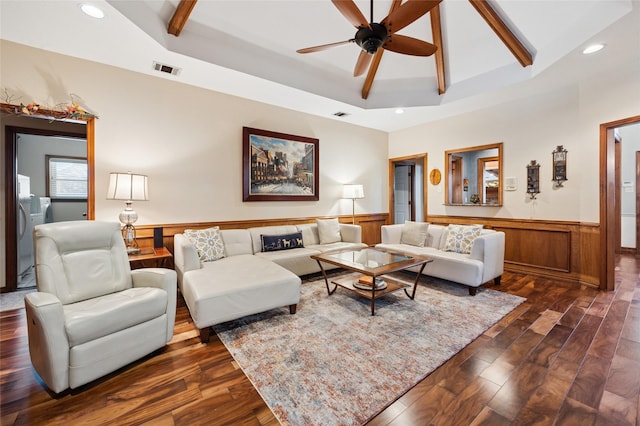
[(370, 40), (91, 10), (593, 48)]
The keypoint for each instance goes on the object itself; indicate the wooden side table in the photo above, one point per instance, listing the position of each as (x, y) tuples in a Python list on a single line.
[(152, 258)]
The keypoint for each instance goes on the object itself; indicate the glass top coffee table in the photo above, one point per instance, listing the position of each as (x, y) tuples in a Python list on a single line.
[(371, 263)]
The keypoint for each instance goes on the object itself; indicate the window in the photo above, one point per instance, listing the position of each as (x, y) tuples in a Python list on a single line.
[(66, 178)]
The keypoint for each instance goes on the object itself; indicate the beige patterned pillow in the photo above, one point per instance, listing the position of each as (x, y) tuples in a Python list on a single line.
[(414, 233), (208, 243), (460, 237)]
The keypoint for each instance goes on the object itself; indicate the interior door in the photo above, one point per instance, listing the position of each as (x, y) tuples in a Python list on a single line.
[(402, 193)]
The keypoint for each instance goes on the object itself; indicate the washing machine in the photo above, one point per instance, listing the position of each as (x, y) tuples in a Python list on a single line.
[(46, 209)]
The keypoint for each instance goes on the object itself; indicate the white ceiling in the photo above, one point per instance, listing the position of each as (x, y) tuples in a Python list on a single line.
[(248, 48)]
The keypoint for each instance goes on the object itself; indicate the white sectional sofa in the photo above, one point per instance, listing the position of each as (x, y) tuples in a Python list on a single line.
[(245, 279), (468, 259)]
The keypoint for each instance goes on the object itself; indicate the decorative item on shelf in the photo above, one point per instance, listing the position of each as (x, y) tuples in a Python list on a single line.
[(533, 179), (475, 198), (435, 176), (353, 192), (559, 165), (128, 187), (70, 111)]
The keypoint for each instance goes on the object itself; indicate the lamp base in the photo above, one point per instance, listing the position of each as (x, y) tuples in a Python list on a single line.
[(133, 250)]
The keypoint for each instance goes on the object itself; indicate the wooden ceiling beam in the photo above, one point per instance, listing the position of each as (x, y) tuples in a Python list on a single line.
[(436, 34), (180, 17), (500, 28)]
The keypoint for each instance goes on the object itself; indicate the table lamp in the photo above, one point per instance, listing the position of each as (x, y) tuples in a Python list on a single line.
[(353, 192), (128, 187)]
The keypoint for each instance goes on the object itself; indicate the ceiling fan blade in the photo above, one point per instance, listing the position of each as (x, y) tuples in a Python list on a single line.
[(323, 46), (409, 46), (350, 11), (364, 59), (373, 68), (407, 13)]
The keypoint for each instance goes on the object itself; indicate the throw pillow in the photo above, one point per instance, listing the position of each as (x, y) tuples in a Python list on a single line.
[(281, 242), (208, 243), (460, 237), (328, 230), (414, 233)]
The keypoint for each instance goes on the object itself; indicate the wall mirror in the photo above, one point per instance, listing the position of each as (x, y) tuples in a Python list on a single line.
[(473, 176)]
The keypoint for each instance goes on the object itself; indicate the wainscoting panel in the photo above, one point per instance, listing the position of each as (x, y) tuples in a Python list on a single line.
[(538, 248), (567, 251)]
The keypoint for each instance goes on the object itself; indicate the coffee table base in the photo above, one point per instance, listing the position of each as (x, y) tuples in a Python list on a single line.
[(373, 294)]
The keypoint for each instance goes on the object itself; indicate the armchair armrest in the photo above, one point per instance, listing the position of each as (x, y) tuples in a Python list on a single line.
[(164, 279), (351, 233), (48, 342), (392, 234)]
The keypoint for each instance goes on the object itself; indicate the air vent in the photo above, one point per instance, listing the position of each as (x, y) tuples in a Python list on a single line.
[(166, 68), (340, 114)]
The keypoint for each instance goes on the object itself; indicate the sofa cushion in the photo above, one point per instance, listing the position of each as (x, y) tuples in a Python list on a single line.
[(328, 230), (208, 243), (309, 233), (460, 238), (414, 233), (281, 242), (236, 241)]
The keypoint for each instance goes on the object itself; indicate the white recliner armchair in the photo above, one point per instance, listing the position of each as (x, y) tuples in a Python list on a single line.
[(92, 314)]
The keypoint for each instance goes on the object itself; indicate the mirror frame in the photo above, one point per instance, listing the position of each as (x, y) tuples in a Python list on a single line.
[(448, 173)]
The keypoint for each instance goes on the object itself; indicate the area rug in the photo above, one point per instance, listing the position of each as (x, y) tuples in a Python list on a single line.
[(332, 363)]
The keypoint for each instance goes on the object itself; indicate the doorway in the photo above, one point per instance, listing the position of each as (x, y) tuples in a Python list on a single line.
[(408, 188), (12, 127), (608, 194)]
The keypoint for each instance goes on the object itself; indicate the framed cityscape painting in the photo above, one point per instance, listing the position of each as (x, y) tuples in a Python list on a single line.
[(279, 167)]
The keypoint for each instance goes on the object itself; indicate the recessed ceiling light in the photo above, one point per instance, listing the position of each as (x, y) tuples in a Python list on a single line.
[(593, 48), (399, 111), (92, 11)]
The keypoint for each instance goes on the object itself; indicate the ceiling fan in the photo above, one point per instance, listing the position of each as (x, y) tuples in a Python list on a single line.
[(373, 38)]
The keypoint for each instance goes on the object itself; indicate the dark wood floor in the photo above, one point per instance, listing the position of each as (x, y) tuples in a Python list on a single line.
[(568, 355)]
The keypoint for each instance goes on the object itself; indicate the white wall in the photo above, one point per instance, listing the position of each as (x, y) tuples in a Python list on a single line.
[(530, 128), (189, 141)]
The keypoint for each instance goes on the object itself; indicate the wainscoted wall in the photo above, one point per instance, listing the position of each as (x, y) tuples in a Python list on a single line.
[(563, 250), (370, 224), (559, 250)]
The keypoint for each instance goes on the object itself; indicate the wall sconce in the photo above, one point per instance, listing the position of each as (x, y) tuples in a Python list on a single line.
[(533, 179), (128, 187), (353, 192), (559, 165)]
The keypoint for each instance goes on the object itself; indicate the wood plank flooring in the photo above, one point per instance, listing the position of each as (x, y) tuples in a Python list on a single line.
[(568, 355)]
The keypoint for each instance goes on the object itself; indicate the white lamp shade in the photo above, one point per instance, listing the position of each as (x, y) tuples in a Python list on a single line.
[(127, 186), (353, 191)]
